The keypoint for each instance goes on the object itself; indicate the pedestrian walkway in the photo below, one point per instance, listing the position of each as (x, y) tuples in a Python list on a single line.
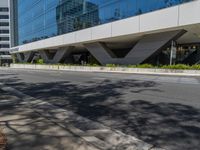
[(26, 129), (41, 125)]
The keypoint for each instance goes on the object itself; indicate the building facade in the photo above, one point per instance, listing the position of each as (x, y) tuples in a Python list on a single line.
[(107, 31), (5, 57)]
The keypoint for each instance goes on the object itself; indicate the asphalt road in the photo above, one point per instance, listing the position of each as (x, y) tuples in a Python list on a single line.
[(160, 110)]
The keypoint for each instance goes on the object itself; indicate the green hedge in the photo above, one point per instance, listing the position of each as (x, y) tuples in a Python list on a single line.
[(142, 66), (40, 61), (112, 65), (177, 66), (181, 66)]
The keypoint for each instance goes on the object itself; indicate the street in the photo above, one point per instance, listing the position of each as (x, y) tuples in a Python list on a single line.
[(163, 111)]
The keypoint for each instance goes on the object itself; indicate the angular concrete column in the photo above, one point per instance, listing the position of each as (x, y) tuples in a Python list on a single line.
[(145, 48), (103, 54), (25, 57), (193, 58), (59, 56), (150, 44)]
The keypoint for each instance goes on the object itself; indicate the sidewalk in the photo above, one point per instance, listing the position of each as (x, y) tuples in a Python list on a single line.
[(31, 122), (26, 129)]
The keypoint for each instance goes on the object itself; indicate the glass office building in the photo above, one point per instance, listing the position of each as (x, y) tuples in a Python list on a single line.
[(40, 19), (112, 31)]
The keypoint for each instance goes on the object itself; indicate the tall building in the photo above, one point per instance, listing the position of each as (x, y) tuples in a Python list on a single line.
[(5, 57), (112, 31), (74, 15)]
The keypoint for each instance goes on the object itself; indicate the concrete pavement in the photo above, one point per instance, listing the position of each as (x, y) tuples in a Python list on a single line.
[(163, 111), (26, 129), (98, 135)]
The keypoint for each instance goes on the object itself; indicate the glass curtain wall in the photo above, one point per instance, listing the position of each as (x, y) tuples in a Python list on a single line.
[(41, 19)]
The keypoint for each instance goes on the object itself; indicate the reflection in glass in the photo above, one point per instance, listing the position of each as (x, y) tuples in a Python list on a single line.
[(41, 19)]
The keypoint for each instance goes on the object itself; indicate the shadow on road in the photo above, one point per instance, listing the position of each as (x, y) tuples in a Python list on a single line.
[(172, 125), (26, 129)]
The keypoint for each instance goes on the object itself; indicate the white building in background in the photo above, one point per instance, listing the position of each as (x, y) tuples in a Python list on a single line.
[(5, 57), (112, 31)]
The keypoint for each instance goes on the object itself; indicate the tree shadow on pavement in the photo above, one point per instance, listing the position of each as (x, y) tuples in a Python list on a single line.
[(171, 125), (26, 129)]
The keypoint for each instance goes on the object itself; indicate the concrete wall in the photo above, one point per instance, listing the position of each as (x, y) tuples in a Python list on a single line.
[(3, 3)]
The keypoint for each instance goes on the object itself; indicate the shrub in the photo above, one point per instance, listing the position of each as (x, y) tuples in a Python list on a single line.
[(177, 66), (145, 66), (40, 61), (93, 60), (112, 65), (94, 65), (195, 67)]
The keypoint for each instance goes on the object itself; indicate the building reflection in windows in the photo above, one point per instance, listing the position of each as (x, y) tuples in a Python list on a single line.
[(41, 19)]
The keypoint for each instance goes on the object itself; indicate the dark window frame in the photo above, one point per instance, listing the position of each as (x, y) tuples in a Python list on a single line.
[(4, 39), (4, 45), (4, 9), (4, 24), (4, 16), (4, 31)]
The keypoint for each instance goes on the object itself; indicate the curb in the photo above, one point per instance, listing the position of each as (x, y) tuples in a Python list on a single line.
[(154, 71)]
